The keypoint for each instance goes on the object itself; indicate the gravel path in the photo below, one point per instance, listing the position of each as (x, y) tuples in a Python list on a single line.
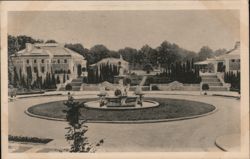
[(197, 134)]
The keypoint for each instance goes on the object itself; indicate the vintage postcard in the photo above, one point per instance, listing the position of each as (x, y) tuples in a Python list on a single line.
[(119, 79)]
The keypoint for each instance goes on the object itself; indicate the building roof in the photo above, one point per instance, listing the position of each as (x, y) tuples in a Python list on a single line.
[(49, 49), (202, 62), (111, 60), (232, 54)]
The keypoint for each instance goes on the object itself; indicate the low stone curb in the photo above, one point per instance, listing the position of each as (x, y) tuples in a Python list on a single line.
[(228, 143), (127, 122)]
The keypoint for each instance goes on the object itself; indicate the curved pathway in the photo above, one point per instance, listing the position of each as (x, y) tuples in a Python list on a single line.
[(198, 134)]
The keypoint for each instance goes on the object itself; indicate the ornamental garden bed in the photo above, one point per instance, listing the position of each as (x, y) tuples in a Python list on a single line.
[(168, 109), (25, 139)]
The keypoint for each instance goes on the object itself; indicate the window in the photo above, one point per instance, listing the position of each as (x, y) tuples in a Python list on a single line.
[(58, 61), (35, 61), (238, 60), (65, 60), (42, 60), (28, 61), (232, 60), (35, 69), (43, 69)]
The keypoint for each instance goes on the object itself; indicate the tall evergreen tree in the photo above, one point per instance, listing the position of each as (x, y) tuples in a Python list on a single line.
[(58, 79)]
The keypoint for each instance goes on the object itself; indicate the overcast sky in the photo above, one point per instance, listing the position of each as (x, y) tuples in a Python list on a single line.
[(118, 29)]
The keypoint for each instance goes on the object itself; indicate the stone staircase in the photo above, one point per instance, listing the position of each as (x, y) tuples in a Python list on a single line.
[(214, 83), (76, 84)]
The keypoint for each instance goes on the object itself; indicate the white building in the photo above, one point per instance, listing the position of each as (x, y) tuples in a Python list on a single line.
[(113, 61), (223, 63), (212, 70), (49, 58)]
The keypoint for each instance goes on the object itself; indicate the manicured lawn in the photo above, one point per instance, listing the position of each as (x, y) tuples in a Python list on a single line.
[(168, 109)]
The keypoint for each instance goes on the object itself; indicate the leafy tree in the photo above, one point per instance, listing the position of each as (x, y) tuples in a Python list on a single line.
[(149, 54), (98, 52), (204, 53), (128, 54), (148, 67), (78, 48), (13, 45), (167, 54), (77, 129), (219, 52)]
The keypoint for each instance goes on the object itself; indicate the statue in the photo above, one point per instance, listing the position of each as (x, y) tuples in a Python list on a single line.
[(121, 71)]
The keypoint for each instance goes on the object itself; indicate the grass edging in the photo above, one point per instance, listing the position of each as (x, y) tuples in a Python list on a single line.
[(127, 122)]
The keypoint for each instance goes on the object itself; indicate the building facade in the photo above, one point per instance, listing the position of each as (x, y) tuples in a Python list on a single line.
[(114, 62), (40, 59), (223, 63)]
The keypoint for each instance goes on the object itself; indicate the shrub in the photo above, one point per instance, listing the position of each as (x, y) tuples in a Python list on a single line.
[(118, 92), (68, 87), (205, 87), (127, 81), (155, 88), (29, 139)]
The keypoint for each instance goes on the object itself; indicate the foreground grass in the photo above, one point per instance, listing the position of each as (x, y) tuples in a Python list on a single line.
[(168, 109)]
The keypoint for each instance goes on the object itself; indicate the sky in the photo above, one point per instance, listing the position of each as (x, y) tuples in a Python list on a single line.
[(190, 29)]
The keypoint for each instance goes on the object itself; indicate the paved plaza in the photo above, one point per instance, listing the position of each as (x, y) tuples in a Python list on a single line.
[(198, 134)]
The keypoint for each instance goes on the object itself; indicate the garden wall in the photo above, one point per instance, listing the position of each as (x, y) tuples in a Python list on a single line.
[(177, 87)]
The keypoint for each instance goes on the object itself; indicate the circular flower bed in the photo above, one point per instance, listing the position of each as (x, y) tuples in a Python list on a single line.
[(168, 109)]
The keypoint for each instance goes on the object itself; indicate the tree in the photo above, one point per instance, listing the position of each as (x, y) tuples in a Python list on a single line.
[(29, 77), (148, 67), (64, 78), (16, 79), (79, 70), (204, 53), (128, 54), (58, 80), (78, 48), (149, 54), (53, 81), (98, 52), (220, 52), (13, 45), (167, 54), (77, 129)]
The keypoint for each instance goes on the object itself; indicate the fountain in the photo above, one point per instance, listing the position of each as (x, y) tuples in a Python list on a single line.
[(120, 98)]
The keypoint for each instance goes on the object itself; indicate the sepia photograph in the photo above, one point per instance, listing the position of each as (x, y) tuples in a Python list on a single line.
[(124, 80)]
